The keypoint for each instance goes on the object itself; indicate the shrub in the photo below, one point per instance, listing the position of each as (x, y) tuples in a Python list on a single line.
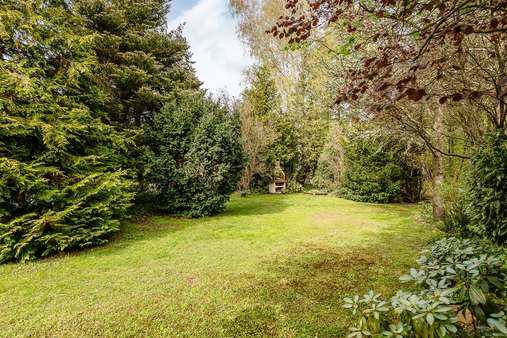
[(415, 315), (454, 276), (425, 211), (380, 168), (195, 158), (488, 190), (457, 219), (40, 216), (294, 187)]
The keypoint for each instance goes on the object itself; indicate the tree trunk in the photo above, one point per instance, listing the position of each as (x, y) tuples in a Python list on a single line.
[(438, 166)]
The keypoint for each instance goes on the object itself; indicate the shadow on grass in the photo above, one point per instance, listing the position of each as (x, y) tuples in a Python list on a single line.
[(301, 294), (154, 225), (256, 205)]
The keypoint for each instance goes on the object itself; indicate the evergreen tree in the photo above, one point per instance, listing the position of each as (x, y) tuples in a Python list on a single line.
[(263, 94), (196, 157), (380, 167), (60, 183), (141, 63), (141, 66)]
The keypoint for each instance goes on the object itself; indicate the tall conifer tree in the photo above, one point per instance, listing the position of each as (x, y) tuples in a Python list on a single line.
[(141, 61), (60, 184), (142, 65)]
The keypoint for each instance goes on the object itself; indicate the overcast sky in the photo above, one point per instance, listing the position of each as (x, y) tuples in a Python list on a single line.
[(219, 55)]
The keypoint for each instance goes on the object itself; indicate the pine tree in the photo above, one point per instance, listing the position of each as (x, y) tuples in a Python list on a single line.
[(142, 64), (60, 183)]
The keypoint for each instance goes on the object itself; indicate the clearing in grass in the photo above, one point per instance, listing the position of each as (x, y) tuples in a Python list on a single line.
[(270, 265)]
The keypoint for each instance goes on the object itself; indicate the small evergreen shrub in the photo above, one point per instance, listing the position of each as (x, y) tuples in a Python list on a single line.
[(195, 157), (488, 188), (457, 219), (380, 168)]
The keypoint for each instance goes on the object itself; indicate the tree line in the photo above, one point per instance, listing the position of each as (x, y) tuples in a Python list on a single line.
[(101, 111), (410, 97)]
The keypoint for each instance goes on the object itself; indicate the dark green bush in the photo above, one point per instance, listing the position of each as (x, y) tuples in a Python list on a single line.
[(488, 189), (195, 157), (44, 211), (380, 168)]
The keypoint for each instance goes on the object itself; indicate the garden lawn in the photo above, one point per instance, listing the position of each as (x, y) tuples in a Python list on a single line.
[(270, 265)]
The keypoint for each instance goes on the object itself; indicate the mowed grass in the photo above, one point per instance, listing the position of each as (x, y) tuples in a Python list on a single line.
[(270, 265)]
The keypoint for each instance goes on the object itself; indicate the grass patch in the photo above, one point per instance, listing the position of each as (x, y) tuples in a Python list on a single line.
[(268, 266)]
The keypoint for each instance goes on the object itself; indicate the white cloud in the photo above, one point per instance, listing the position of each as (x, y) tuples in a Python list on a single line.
[(219, 55)]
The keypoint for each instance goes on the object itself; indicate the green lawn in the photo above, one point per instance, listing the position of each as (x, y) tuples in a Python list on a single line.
[(271, 265)]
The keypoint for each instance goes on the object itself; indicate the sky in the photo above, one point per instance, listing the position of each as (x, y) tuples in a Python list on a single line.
[(219, 55)]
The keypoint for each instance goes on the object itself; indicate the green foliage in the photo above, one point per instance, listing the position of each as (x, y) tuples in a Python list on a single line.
[(295, 46), (195, 157), (328, 172), (141, 64), (473, 270), (263, 95), (61, 186), (258, 107), (284, 145), (311, 139), (293, 135), (454, 276), (294, 187), (406, 315), (457, 219), (380, 168), (345, 49), (42, 219), (488, 190)]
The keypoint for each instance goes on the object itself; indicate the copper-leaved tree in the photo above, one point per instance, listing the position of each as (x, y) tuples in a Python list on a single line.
[(415, 60)]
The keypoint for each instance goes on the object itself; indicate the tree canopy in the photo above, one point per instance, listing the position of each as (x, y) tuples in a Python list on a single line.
[(83, 84)]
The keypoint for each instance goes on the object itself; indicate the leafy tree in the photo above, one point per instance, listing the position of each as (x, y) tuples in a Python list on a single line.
[(196, 158), (297, 78), (260, 133), (256, 137), (293, 135), (263, 94), (61, 186), (328, 174), (400, 53), (414, 49), (311, 140)]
